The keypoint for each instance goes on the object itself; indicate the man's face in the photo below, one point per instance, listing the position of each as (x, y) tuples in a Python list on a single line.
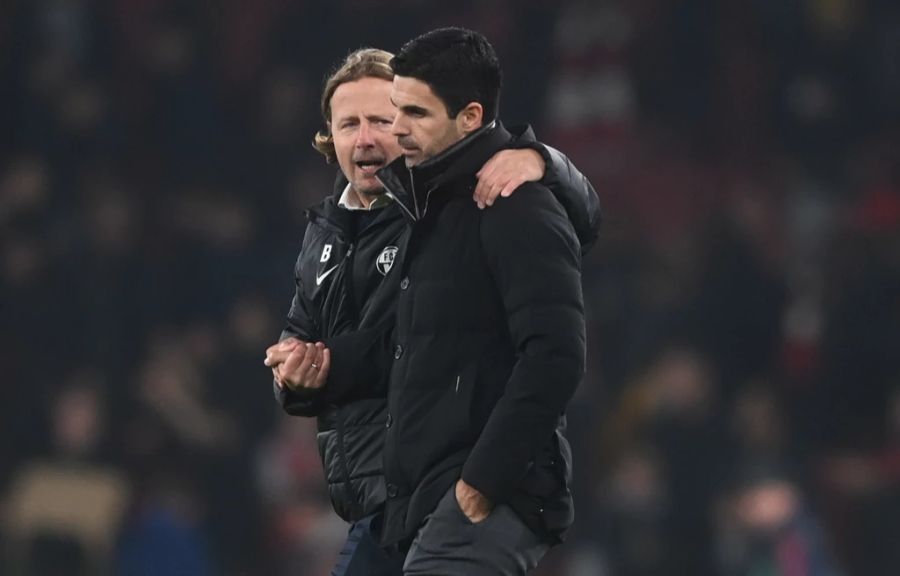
[(421, 125), (361, 118)]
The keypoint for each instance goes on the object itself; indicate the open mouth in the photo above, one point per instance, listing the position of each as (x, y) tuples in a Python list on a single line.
[(369, 166)]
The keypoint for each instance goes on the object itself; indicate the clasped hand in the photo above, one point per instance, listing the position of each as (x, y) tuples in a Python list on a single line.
[(299, 365)]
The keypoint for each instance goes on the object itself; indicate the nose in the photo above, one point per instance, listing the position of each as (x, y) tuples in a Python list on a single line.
[(364, 137), (399, 127)]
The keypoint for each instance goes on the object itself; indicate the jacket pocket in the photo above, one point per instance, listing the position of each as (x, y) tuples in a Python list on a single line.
[(458, 399)]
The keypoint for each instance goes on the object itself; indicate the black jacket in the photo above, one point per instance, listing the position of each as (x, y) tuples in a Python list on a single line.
[(345, 292), (489, 344), (346, 295)]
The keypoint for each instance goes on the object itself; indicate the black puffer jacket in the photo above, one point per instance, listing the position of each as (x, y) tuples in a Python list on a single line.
[(337, 269), (346, 294), (489, 344)]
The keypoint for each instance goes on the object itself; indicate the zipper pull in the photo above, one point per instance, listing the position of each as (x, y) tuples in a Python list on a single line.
[(412, 185)]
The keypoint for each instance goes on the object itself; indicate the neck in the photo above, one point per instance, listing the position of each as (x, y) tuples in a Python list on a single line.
[(364, 199)]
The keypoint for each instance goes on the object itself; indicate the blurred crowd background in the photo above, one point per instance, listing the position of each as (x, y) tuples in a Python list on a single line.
[(741, 413)]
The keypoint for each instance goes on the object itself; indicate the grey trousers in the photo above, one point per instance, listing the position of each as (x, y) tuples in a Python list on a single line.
[(449, 544)]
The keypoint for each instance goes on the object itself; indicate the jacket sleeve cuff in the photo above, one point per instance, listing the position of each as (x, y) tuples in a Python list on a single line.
[(487, 482), (298, 402)]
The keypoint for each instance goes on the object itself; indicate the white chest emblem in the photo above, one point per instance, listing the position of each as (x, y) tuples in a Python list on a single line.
[(386, 259)]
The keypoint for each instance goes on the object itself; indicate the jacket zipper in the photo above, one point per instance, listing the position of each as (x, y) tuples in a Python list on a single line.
[(412, 183), (397, 200), (343, 277), (417, 216), (349, 291), (427, 198)]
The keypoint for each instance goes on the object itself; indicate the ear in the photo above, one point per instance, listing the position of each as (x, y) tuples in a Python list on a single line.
[(470, 118)]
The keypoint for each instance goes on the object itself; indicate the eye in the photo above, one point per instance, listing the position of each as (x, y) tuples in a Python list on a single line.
[(414, 111)]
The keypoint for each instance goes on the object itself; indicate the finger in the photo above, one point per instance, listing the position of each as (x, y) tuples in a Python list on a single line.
[(324, 367), (277, 357), (279, 352), (482, 188), (495, 191), (286, 344), (305, 373), (290, 343), (272, 349), (319, 357), (276, 375), (479, 192), (289, 370), (511, 187), (486, 179)]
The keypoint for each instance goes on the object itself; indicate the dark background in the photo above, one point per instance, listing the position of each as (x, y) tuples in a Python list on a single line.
[(741, 413)]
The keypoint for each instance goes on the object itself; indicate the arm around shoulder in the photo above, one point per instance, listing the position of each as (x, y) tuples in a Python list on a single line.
[(573, 190)]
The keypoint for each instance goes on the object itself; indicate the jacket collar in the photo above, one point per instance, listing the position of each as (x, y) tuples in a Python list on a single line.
[(332, 213), (411, 187), (328, 209), (350, 201)]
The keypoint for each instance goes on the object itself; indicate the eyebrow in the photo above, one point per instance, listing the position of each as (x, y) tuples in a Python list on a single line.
[(410, 108)]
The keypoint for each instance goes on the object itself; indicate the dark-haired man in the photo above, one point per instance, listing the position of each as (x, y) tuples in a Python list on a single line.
[(489, 339)]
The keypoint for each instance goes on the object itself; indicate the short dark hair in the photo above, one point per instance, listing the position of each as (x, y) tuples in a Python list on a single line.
[(459, 65)]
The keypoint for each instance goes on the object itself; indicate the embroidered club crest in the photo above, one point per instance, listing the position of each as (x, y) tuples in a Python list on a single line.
[(386, 259)]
